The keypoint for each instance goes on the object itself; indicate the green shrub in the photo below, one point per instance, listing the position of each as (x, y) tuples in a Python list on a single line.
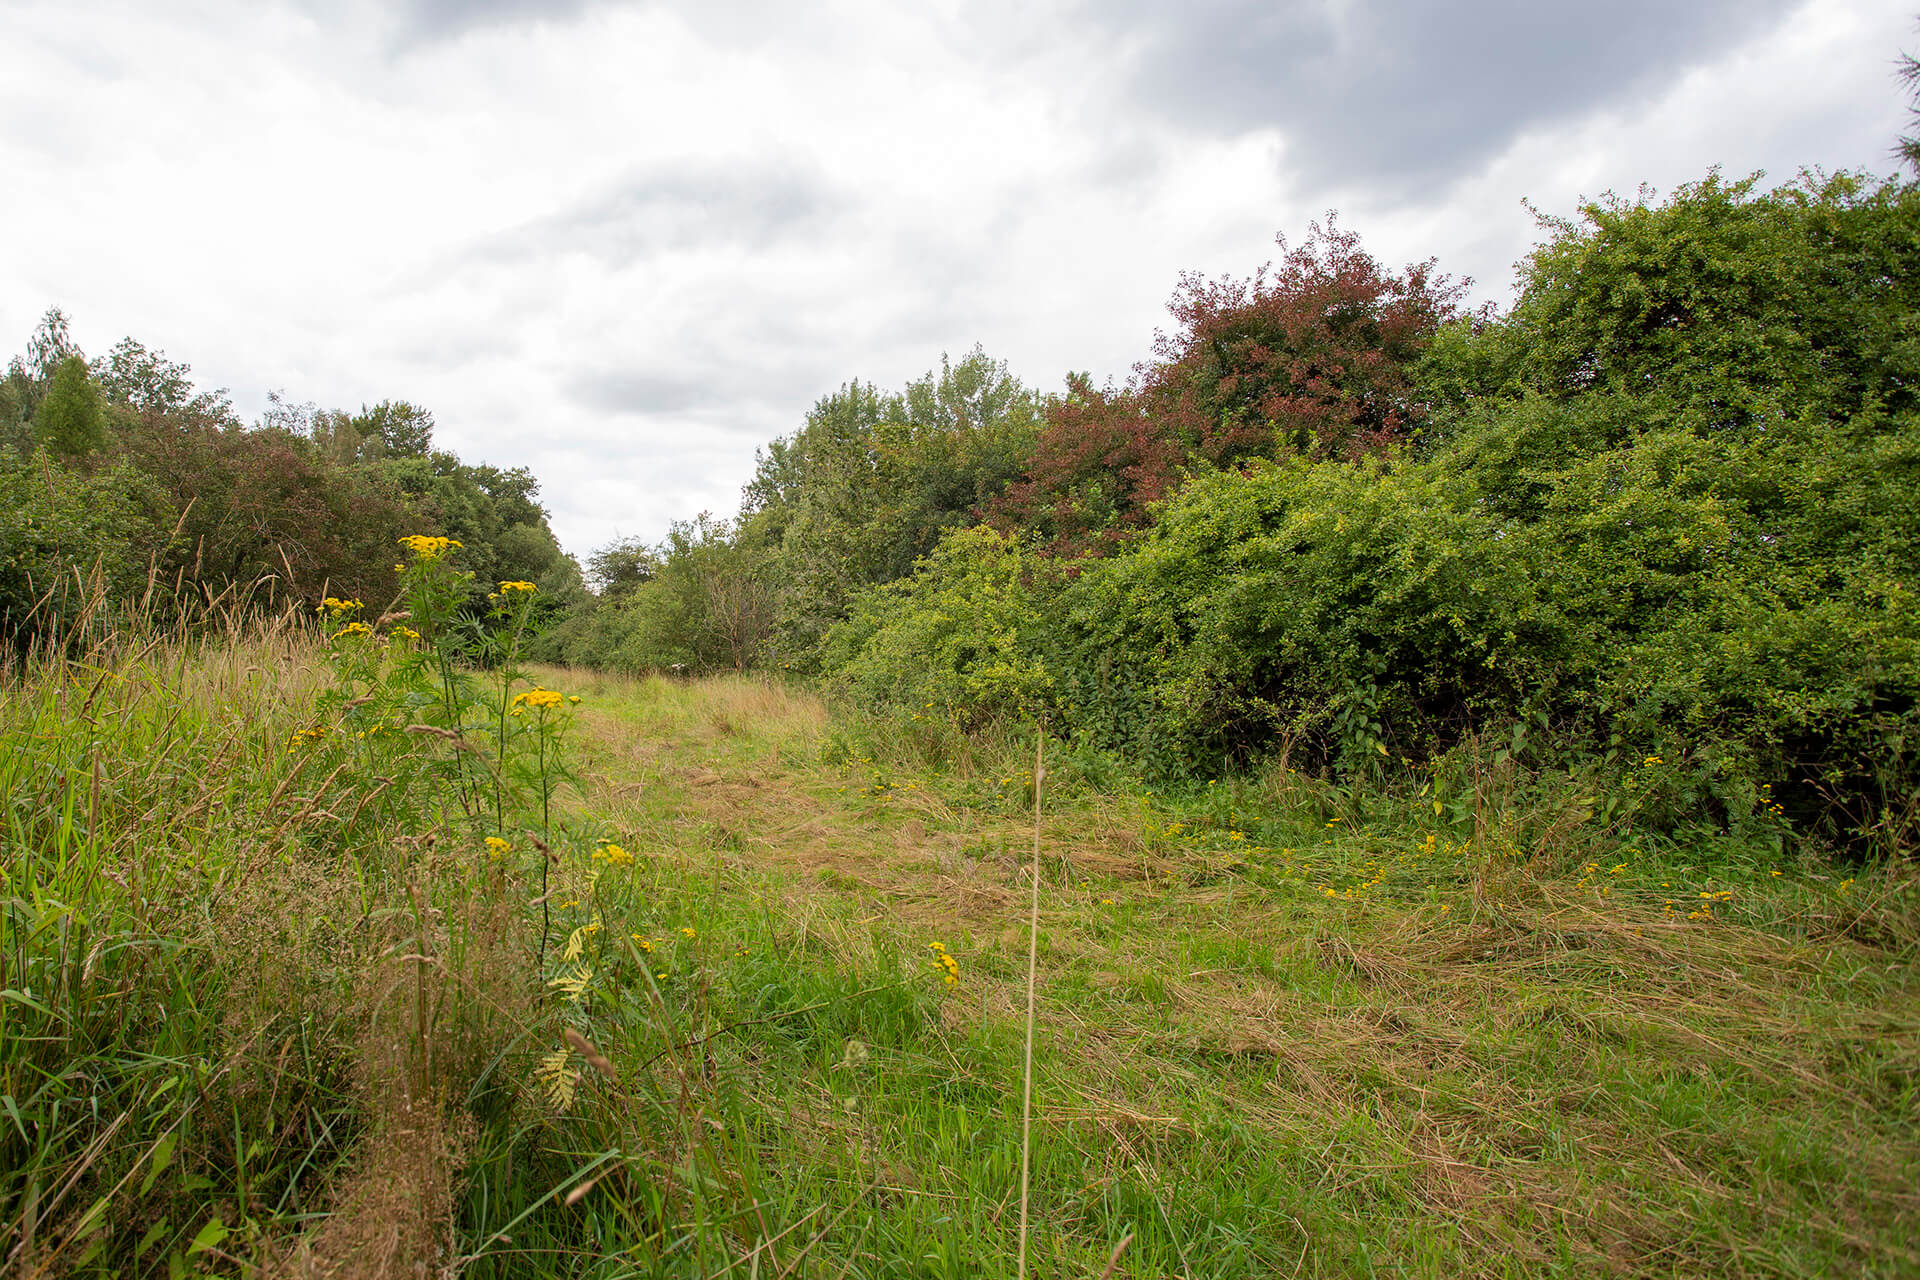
[(66, 537), (963, 637)]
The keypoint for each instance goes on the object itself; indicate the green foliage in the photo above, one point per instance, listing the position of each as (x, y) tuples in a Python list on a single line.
[(872, 482), (1665, 509), (705, 603), (144, 382), (962, 637), (68, 539), (69, 420)]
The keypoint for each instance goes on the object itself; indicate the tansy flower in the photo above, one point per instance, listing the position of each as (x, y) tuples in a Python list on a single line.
[(353, 629), (426, 548), (517, 586), (612, 855), (949, 967), (537, 698), (496, 846), (405, 633)]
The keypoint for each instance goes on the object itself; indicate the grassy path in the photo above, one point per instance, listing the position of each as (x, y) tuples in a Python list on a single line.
[(1272, 1041)]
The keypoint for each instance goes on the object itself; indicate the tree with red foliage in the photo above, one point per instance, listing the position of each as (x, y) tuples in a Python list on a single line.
[(1101, 461), (1315, 358)]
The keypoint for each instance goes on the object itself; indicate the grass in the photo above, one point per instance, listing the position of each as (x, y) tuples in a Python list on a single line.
[(1281, 1030)]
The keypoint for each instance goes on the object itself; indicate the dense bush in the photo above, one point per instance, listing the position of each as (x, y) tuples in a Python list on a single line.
[(1669, 508), (963, 637), (68, 538)]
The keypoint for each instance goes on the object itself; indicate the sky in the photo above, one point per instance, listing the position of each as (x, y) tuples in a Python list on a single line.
[(626, 244)]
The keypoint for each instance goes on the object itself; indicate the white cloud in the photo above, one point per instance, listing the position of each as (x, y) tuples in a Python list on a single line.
[(624, 244)]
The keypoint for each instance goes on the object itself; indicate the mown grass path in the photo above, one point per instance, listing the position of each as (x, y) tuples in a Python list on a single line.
[(1270, 1043)]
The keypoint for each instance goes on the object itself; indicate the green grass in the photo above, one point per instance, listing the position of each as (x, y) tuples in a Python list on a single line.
[(1507, 1059), (1461, 1063)]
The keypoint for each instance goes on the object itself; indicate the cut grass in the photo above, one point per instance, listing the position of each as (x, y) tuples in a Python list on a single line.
[(1457, 1064)]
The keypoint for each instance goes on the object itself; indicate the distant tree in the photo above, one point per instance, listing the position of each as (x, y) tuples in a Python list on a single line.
[(1908, 148), (69, 421), (620, 566), (49, 346), (145, 381), (29, 376), (874, 479), (397, 428)]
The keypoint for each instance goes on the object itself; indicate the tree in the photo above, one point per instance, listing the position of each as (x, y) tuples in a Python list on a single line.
[(396, 428), (69, 421), (620, 566), (1908, 148), (1315, 359), (145, 381), (29, 376)]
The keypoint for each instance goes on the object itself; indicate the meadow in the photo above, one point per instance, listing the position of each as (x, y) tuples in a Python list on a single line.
[(738, 987)]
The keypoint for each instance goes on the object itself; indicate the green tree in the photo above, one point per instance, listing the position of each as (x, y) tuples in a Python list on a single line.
[(142, 380), (1908, 148), (395, 429), (69, 420)]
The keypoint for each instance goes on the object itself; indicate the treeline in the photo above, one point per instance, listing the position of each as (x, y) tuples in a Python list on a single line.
[(124, 487), (1654, 532)]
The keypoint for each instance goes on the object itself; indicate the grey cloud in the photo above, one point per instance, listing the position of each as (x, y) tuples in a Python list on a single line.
[(628, 391), (708, 389), (428, 21), (659, 210), (739, 22), (1397, 94)]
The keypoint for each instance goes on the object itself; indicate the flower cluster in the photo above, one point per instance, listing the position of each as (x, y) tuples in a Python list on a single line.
[(612, 854), (536, 698), (333, 606), (426, 548), (353, 629), (405, 633), (506, 587), (497, 846), (949, 967), (300, 736)]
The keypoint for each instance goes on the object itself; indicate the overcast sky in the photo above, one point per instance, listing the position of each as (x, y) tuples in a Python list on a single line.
[(624, 244)]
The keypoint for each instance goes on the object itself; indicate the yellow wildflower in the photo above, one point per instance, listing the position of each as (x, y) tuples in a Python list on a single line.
[(612, 854), (686, 931), (353, 629), (426, 548), (496, 846), (517, 586), (405, 633), (948, 967), (537, 698)]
